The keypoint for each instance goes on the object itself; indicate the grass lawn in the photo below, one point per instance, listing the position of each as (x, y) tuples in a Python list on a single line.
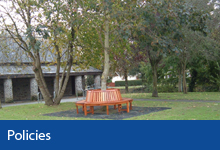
[(177, 96), (33, 112), (179, 111)]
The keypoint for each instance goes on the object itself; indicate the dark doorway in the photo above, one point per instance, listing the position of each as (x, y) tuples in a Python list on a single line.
[(73, 85), (21, 89)]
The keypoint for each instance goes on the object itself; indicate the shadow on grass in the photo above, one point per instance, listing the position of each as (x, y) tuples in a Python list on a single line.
[(113, 114)]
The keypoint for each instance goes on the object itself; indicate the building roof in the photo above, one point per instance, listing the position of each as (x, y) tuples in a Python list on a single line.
[(24, 71), (11, 54)]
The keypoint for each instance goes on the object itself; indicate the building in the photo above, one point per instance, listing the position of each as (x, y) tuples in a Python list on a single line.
[(117, 77), (17, 82)]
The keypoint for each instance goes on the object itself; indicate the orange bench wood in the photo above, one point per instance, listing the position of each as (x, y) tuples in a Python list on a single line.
[(104, 98)]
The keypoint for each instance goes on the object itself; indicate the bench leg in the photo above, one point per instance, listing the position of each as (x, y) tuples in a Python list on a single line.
[(119, 107), (85, 110), (92, 109), (107, 110), (115, 107), (130, 105), (77, 109), (127, 107)]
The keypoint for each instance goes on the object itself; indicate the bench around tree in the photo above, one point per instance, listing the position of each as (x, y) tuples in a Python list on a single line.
[(104, 98)]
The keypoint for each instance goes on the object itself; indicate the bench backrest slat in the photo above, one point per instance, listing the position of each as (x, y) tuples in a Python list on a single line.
[(103, 95)]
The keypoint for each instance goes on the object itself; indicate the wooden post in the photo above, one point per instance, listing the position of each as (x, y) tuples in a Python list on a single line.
[(107, 110), (119, 107), (85, 110), (92, 109), (127, 107)]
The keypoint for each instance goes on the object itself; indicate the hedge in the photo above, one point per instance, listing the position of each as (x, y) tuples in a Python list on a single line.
[(130, 83)]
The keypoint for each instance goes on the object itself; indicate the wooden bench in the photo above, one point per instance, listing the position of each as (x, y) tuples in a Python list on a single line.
[(104, 98)]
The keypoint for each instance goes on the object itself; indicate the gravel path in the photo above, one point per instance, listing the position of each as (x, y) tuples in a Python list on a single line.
[(113, 113), (36, 102)]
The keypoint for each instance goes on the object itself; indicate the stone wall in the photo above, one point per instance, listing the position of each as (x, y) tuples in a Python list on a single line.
[(21, 88), (33, 88), (83, 82), (78, 84), (97, 81), (8, 90), (2, 91)]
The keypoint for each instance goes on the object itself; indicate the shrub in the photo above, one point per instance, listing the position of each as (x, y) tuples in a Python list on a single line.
[(80, 93), (130, 83), (166, 88), (206, 88), (109, 80), (90, 80)]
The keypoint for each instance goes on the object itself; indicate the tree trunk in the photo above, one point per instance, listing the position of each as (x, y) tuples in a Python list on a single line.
[(154, 61), (126, 81), (57, 71), (155, 92), (44, 90), (106, 58), (184, 78), (61, 87), (41, 81), (61, 92), (193, 80), (0, 104)]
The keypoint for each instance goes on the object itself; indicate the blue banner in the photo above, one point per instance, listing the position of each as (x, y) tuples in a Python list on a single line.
[(109, 135)]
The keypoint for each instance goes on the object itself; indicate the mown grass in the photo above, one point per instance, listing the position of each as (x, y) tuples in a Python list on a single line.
[(178, 111), (177, 96), (34, 112)]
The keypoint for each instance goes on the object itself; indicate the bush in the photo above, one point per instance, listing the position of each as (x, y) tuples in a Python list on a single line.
[(130, 83), (109, 80), (80, 93), (166, 88), (206, 88), (90, 80)]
